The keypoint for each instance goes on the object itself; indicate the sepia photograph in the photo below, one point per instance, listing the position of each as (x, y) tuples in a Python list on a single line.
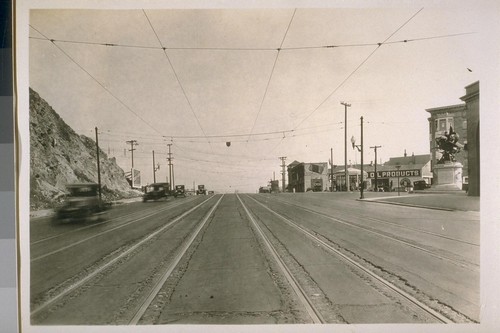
[(282, 168)]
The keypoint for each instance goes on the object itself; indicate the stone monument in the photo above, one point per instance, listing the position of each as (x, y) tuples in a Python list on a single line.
[(448, 171)]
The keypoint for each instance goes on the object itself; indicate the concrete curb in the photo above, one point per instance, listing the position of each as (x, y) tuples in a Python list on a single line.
[(406, 205)]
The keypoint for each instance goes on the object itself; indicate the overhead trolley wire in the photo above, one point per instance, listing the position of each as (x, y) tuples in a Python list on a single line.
[(330, 46), (176, 76), (281, 48), (357, 68), (271, 75), (97, 81)]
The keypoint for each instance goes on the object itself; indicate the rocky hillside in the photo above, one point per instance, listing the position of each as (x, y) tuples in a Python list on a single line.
[(59, 156)]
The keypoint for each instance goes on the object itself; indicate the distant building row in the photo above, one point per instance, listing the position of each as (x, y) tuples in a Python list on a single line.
[(408, 170)]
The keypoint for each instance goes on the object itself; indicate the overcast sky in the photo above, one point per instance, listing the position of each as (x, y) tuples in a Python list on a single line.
[(222, 79)]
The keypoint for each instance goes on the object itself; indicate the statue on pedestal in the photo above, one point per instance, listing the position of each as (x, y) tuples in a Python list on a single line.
[(449, 146)]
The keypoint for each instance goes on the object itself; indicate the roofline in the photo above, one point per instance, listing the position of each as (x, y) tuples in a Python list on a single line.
[(449, 107)]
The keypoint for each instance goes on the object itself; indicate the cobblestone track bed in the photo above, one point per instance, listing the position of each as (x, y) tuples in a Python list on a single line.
[(437, 252), (398, 281), (328, 307), (49, 263), (291, 312), (77, 232), (86, 272), (330, 311)]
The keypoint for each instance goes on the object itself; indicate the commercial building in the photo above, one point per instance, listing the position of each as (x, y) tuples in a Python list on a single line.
[(304, 177), (405, 169)]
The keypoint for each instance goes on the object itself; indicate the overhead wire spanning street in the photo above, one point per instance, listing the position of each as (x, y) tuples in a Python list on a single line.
[(260, 88)]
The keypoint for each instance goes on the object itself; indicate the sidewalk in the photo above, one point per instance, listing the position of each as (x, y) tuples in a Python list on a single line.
[(431, 200)]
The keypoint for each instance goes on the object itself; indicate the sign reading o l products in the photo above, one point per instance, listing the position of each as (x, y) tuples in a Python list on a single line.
[(395, 173)]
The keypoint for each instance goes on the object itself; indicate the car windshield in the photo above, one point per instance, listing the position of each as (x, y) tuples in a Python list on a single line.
[(83, 191)]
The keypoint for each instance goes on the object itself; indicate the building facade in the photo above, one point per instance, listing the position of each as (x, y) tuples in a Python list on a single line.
[(471, 100), (441, 120), (404, 170), (304, 177), (464, 119)]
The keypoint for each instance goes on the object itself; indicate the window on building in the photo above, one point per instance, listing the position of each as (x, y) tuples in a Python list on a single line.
[(443, 124), (464, 124)]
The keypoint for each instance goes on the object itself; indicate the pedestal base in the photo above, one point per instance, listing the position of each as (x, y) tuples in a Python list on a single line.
[(448, 177)]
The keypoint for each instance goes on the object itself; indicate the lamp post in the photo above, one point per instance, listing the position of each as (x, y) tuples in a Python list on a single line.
[(376, 181), (346, 105), (360, 149), (397, 167), (155, 168)]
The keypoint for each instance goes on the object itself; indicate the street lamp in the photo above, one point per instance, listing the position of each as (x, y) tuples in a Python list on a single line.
[(397, 167), (360, 149), (346, 105)]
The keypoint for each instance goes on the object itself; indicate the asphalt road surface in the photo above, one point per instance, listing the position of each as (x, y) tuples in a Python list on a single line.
[(256, 259)]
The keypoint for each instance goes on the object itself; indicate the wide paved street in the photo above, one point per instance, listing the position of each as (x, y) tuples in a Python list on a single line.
[(259, 259)]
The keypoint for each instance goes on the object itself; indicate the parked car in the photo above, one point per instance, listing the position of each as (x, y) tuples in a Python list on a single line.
[(420, 185)]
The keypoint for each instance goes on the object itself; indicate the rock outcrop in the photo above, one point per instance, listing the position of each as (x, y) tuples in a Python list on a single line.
[(59, 156)]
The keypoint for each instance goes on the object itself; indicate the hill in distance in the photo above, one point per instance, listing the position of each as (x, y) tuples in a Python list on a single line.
[(59, 156)]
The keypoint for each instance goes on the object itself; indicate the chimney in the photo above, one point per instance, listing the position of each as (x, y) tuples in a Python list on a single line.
[(405, 152)]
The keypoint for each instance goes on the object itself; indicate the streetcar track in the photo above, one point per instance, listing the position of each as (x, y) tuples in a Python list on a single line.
[(131, 215), (463, 264), (74, 286), (101, 233), (384, 222), (315, 315), (437, 315), (158, 286)]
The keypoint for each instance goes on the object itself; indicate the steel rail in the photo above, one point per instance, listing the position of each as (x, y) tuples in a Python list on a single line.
[(388, 284), (389, 223), (102, 233), (156, 289), (130, 215), (464, 263), (100, 269), (315, 315)]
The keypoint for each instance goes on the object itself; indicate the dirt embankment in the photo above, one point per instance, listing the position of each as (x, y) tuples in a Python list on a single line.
[(60, 156)]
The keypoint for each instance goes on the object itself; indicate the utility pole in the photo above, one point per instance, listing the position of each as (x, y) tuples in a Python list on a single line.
[(173, 177), (155, 167), (331, 169), (362, 182), (346, 105), (360, 149), (170, 169), (98, 164), (132, 144), (283, 172), (376, 184)]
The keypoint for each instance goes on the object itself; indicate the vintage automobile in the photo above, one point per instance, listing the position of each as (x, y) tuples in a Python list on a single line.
[(201, 190), (81, 202), (180, 191), (420, 185), (156, 191)]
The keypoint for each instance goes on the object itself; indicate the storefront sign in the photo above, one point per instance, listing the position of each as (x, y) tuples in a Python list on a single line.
[(395, 173)]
